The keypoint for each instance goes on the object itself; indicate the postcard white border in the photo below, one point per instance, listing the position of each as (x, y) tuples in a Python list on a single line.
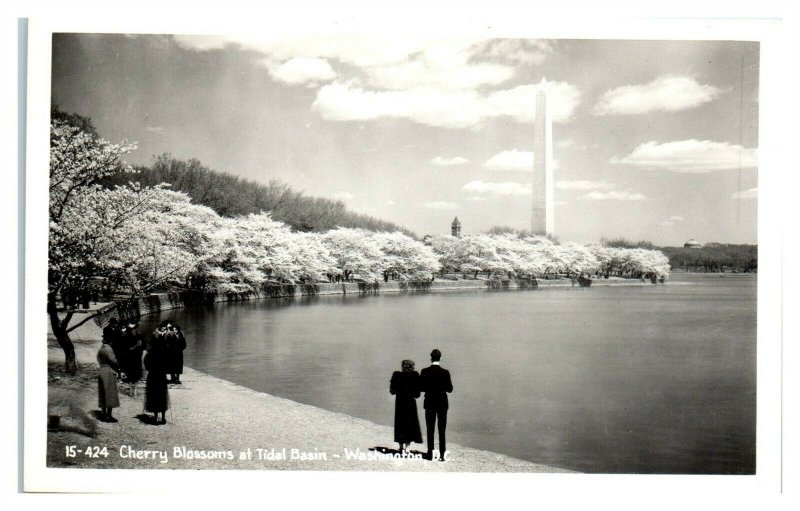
[(381, 490)]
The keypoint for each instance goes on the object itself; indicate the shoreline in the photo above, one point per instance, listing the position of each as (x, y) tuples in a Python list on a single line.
[(158, 302), (219, 421)]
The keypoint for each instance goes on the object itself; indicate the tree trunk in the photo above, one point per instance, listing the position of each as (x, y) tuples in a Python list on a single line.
[(60, 332)]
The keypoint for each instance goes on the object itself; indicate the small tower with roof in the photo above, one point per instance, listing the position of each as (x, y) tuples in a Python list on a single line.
[(455, 228)]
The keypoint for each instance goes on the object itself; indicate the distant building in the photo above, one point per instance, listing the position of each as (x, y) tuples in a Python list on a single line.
[(455, 228), (692, 243)]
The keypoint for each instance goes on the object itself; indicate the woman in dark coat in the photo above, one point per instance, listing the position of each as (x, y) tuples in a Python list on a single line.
[(131, 359), (108, 396), (156, 395), (406, 389), (111, 335), (175, 344)]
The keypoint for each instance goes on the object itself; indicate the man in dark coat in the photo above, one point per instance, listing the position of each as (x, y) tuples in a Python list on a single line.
[(435, 383), (175, 343)]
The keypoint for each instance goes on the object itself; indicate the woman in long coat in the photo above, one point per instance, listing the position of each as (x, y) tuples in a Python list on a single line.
[(131, 360), (156, 395), (405, 386), (108, 396), (175, 344)]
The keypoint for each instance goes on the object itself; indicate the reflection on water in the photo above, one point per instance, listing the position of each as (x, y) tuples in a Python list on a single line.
[(657, 379)]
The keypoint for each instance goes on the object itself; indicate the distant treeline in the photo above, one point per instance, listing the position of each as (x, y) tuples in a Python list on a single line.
[(232, 196), (711, 257), (714, 257), (504, 229), (624, 243)]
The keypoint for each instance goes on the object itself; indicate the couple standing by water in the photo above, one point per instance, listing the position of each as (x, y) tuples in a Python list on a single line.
[(407, 385)]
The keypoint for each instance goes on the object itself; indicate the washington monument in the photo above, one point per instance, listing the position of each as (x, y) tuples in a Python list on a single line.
[(542, 221)]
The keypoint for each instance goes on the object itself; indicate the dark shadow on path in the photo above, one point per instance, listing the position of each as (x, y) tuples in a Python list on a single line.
[(148, 419)]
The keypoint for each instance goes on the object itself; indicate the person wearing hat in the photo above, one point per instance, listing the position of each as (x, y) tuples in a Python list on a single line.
[(111, 334), (404, 385), (175, 343), (108, 396), (436, 383), (156, 394), (131, 359)]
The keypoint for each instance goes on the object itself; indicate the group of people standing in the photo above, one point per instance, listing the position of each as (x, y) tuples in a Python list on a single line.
[(123, 356), (121, 359), (407, 385)]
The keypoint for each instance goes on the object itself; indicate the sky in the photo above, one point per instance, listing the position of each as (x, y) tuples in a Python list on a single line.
[(653, 140)]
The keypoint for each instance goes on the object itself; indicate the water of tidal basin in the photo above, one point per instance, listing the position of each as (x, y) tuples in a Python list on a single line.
[(656, 379)]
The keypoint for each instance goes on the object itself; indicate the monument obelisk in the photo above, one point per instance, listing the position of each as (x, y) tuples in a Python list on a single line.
[(542, 221)]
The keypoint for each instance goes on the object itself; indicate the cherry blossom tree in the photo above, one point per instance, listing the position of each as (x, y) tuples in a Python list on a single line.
[(478, 253), (81, 232), (631, 262), (136, 238), (523, 253), (577, 259), (641, 262), (312, 257), (248, 252), (444, 247), (405, 256), (164, 243), (355, 252)]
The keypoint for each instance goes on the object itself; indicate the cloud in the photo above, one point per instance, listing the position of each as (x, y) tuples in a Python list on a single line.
[(202, 42), (445, 64), (418, 74), (519, 103), (302, 70), (354, 50), (752, 193), (441, 161), (583, 185), (671, 221), (158, 130), (511, 160), (343, 196), (346, 101), (392, 62), (690, 156), (508, 188), (517, 51), (436, 82), (441, 205), (614, 195), (476, 198), (390, 202), (388, 62), (667, 93)]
